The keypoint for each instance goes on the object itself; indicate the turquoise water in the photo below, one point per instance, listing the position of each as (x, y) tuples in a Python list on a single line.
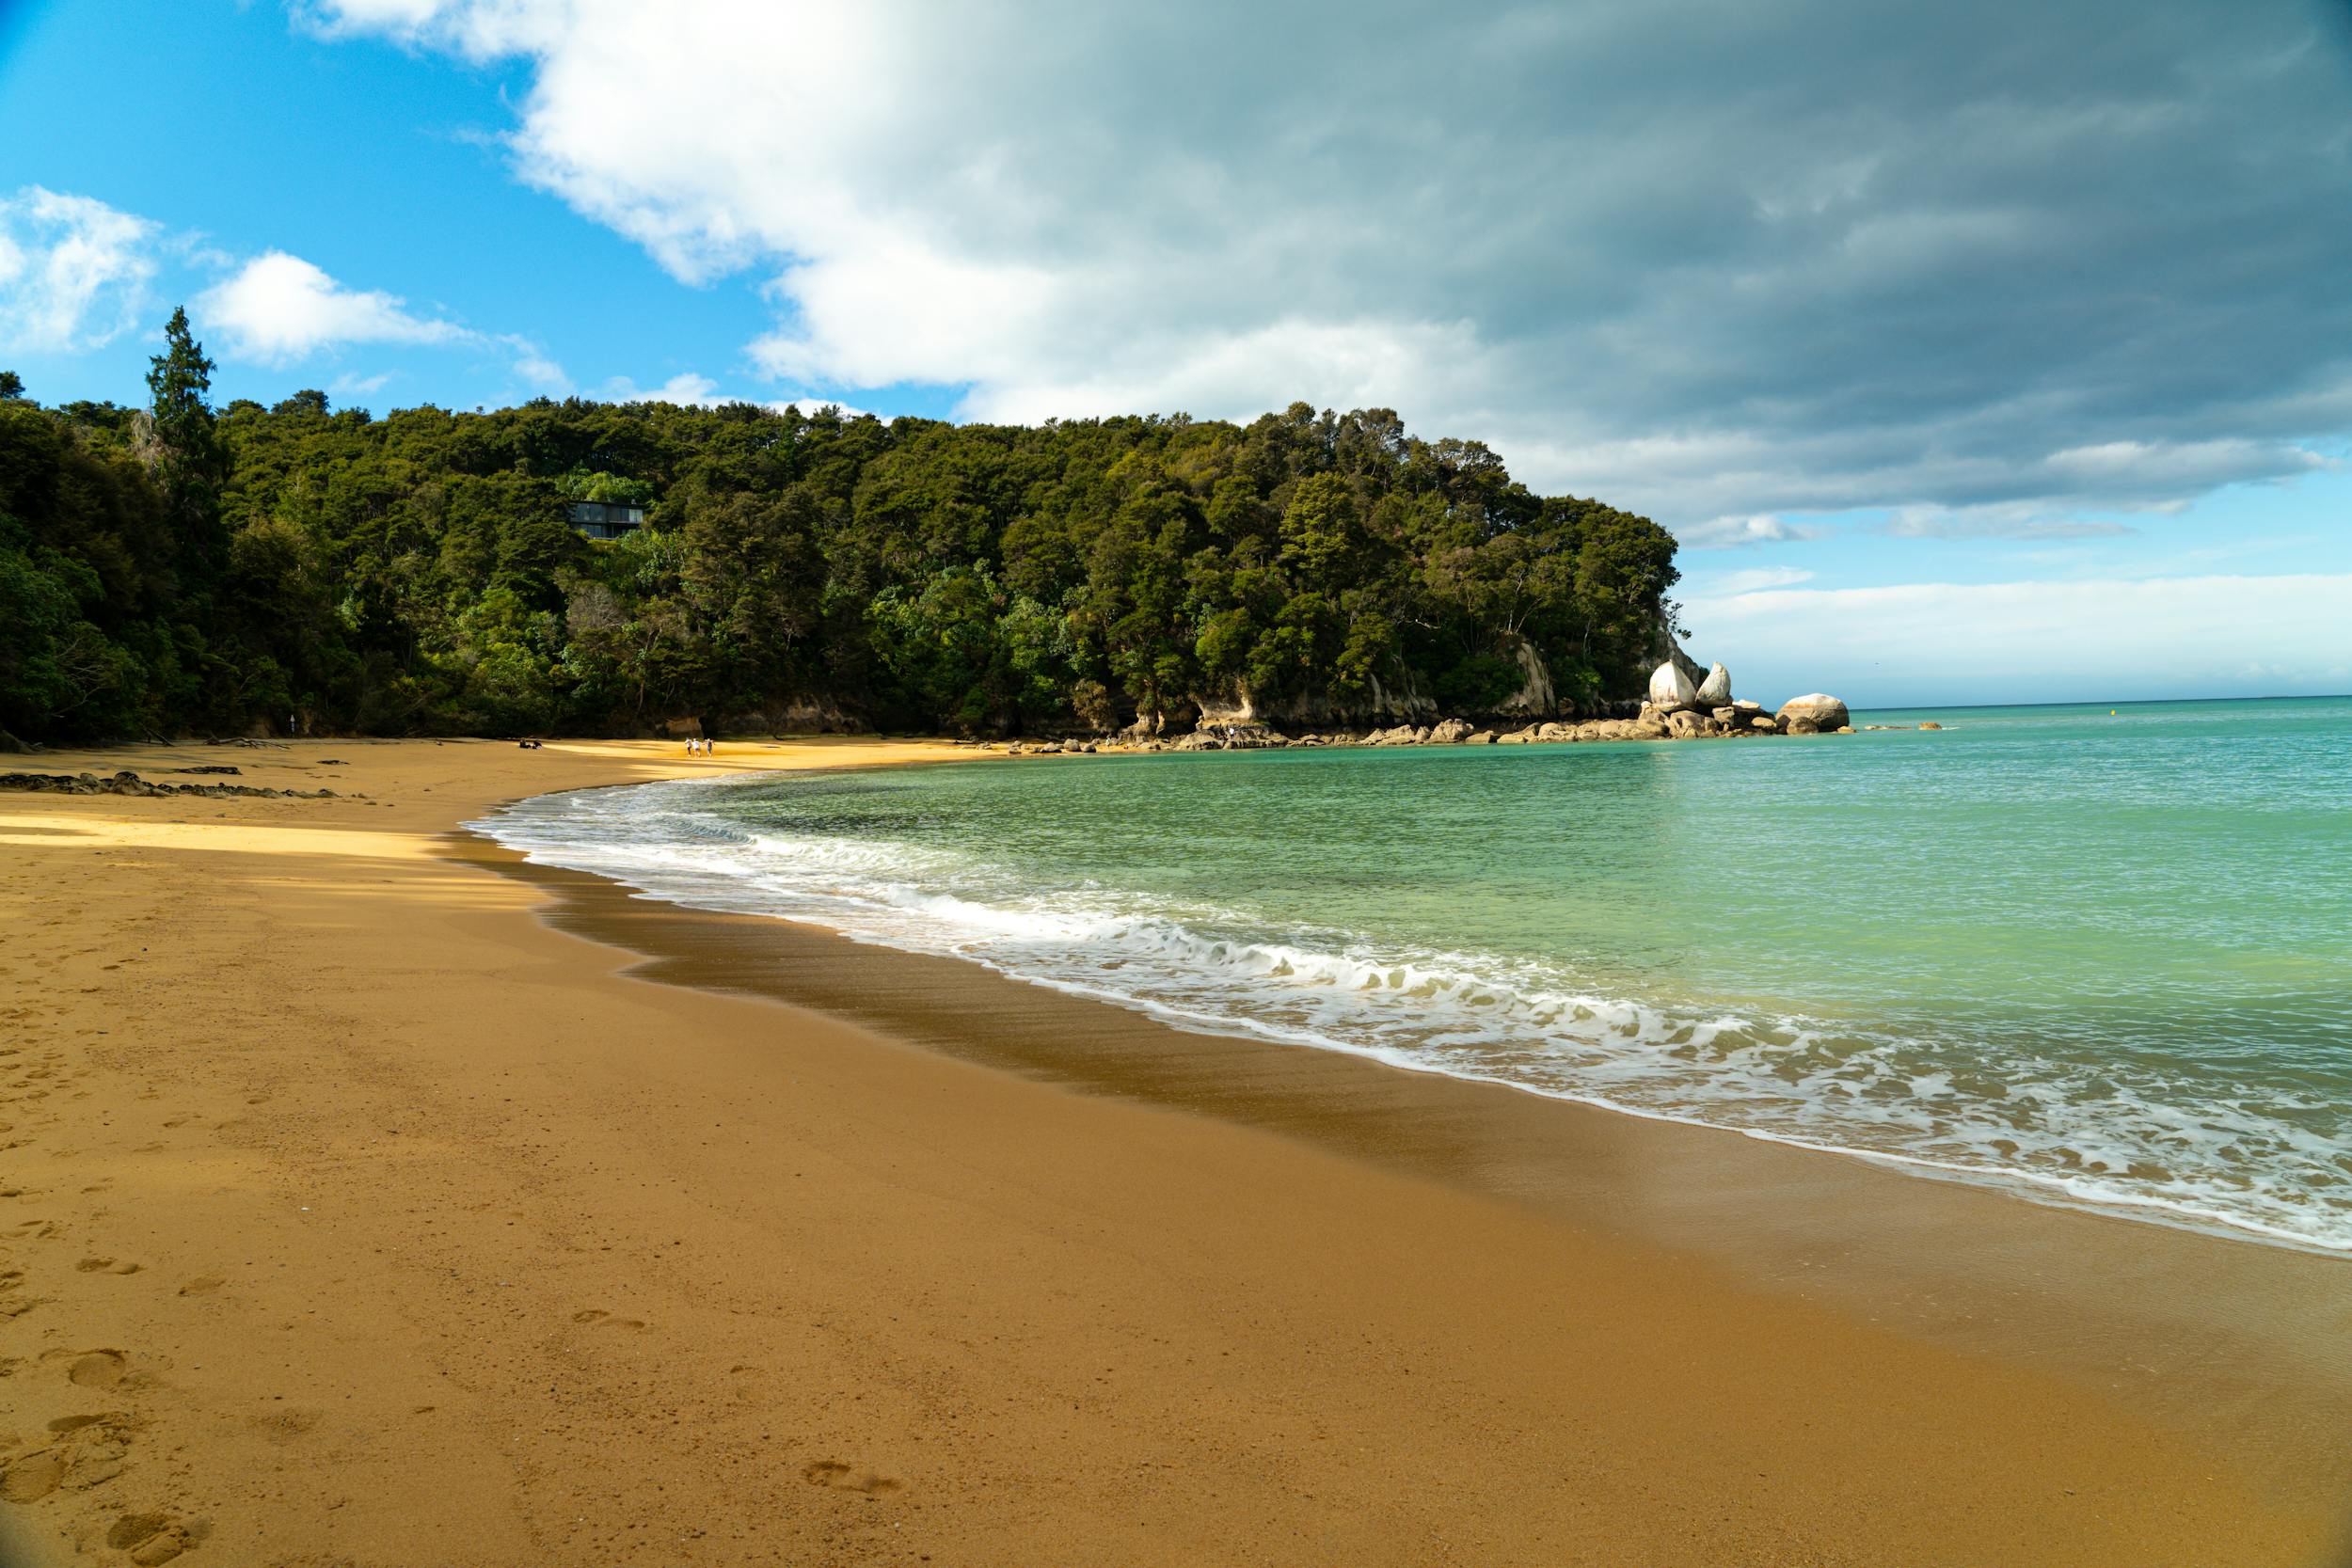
[(2103, 958)]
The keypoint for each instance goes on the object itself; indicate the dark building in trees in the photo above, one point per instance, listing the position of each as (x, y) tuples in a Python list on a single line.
[(606, 519)]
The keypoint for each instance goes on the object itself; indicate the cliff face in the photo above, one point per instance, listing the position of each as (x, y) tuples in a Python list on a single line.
[(1403, 699), (1666, 649)]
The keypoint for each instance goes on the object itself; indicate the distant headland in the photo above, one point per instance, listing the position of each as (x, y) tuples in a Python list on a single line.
[(586, 569)]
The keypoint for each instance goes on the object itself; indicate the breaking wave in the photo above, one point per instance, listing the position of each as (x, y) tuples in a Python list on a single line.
[(2157, 1146)]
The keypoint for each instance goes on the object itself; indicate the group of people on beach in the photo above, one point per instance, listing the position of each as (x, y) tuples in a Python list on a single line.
[(697, 746)]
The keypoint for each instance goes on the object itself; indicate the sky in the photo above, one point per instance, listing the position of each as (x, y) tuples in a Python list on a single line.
[(1974, 354)]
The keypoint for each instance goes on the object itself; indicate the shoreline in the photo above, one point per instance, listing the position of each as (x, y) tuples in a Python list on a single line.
[(513, 1256), (2022, 1184), (1833, 1224)]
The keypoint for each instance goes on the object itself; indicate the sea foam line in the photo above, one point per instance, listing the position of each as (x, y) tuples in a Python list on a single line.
[(865, 890)]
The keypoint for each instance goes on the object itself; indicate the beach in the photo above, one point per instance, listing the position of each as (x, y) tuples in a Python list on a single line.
[(374, 1199)]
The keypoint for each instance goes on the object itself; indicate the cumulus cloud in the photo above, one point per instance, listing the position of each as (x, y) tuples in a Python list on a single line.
[(535, 367), (1705, 258), (2078, 638), (687, 390), (73, 271), (1730, 534), (277, 310)]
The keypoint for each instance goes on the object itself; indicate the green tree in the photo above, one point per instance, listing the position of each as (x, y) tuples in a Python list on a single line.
[(177, 567), (190, 460)]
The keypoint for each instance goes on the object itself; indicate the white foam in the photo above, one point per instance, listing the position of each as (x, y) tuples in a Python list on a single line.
[(2153, 1146)]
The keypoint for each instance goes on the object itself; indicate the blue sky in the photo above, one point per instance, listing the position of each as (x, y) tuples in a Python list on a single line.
[(1987, 359)]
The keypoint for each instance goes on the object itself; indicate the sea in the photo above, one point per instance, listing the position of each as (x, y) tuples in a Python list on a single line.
[(2098, 955)]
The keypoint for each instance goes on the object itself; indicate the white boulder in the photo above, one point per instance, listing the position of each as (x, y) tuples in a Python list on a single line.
[(1670, 689), (1715, 691), (1815, 710)]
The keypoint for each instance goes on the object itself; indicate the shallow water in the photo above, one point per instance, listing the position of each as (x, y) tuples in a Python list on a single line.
[(2102, 956)]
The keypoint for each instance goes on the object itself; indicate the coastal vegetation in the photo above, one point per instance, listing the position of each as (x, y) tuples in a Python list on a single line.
[(177, 567)]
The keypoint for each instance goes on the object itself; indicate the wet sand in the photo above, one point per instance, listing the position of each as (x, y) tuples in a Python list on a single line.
[(387, 1223)]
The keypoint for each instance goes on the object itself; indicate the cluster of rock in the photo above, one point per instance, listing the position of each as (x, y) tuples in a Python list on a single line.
[(1709, 708), (128, 782), (1047, 748), (1678, 708), (1681, 706)]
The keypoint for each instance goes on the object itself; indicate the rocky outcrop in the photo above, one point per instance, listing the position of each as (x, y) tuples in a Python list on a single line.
[(791, 716), (1813, 712), (1684, 704), (128, 782), (1535, 694), (1231, 737), (1665, 648)]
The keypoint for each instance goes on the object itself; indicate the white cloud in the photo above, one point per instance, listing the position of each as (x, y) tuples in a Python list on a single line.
[(689, 390), (2080, 639), (1632, 247), (540, 371), (2006, 521), (1730, 534), (1727, 584), (818, 405), (278, 308), (686, 389), (73, 271)]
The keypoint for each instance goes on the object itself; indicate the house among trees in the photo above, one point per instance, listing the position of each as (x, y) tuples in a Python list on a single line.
[(606, 519)]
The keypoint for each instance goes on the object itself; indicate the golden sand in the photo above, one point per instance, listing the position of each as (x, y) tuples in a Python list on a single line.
[(353, 1215)]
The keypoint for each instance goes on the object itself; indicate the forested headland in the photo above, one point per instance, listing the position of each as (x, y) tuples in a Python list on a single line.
[(176, 568)]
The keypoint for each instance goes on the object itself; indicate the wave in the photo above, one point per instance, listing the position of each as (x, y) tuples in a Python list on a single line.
[(2155, 1144)]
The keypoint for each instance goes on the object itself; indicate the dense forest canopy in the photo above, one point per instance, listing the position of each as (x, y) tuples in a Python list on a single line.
[(177, 568)]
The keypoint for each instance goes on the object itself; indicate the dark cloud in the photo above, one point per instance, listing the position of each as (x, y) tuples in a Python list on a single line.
[(1712, 260)]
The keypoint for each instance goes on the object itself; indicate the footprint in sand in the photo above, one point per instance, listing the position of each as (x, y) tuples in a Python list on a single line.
[(286, 1425), (203, 1284), (597, 1318), (97, 1368), (31, 1476), (834, 1476), (154, 1538), (105, 1265), (83, 1451)]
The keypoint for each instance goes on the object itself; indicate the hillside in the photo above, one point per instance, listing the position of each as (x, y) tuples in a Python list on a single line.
[(174, 568)]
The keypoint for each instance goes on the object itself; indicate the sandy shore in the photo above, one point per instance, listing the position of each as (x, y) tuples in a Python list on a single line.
[(354, 1216)]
